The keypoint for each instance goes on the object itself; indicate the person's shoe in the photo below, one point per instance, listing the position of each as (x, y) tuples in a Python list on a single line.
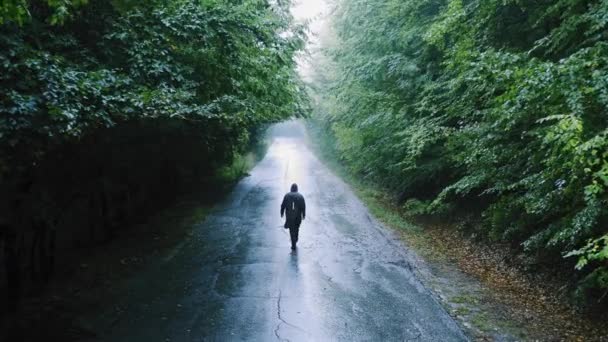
[(293, 247)]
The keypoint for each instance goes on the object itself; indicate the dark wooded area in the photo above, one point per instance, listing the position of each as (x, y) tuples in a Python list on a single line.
[(110, 109)]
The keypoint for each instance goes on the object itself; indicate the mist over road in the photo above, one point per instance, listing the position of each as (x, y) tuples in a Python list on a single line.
[(237, 279)]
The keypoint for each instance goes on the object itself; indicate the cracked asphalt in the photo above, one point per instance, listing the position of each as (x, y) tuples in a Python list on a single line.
[(237, 279)]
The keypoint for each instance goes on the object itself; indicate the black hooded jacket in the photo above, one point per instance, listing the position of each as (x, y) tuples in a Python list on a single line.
[(294, 207)]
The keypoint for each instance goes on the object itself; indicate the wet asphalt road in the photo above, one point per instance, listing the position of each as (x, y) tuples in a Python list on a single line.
[(237, 279)]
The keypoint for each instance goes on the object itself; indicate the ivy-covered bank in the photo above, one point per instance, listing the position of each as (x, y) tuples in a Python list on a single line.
[(491, 111), (110, 108)]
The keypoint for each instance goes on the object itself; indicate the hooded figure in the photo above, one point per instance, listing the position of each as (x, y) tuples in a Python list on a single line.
[(294, 208)]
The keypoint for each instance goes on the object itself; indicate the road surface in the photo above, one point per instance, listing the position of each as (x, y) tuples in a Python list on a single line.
[(237, 279)]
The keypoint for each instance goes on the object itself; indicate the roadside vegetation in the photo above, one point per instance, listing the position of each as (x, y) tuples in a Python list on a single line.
[(491, 115), (111, 109), (482, 284)]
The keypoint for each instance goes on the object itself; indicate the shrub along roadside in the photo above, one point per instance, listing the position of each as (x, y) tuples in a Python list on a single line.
[(494, 110), (517, 302), (110, 109)]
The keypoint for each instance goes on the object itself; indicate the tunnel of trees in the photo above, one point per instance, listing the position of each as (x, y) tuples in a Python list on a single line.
[(110, 108), (492, 111)]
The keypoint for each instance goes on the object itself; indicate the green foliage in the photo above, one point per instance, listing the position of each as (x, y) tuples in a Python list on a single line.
[(596, 250), (184, 60), (494, 107), (19, 10), (596, 254), (109, 108)]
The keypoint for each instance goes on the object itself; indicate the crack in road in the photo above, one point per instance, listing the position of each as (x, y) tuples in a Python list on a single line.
[(282, 321), (396, 246), (415, 337), (276, 330)]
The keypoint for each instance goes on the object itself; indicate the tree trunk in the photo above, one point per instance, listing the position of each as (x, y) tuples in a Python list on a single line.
[(50, 265), (13, 274), (42, 257), (33, 249)]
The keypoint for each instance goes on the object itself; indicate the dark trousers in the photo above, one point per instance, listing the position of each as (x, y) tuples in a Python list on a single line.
[(294, 235)]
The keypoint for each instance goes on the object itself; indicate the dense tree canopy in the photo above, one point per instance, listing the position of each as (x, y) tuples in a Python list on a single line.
[(108, 106), (480, 106), (190, 60)]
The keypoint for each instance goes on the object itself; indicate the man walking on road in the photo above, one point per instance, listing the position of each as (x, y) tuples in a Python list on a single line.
[(294, 207)]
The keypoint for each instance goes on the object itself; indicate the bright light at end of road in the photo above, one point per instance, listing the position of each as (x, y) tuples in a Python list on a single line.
[(308, 9), (313, 13)]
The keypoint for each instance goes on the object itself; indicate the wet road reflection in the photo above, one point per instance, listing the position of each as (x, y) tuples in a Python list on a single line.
[(237, 279)]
